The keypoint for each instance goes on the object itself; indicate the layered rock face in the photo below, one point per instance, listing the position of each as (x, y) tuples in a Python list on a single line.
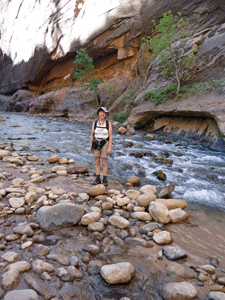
[(39, 41)]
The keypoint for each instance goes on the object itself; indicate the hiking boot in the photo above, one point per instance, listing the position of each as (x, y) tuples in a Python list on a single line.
[(105, 182), (96, 181)]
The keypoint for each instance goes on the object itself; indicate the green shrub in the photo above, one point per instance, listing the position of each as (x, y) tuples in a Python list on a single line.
[(158, 97), (121, 117)]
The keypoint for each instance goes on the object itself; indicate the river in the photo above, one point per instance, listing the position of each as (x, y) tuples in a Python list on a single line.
[(197, 172)]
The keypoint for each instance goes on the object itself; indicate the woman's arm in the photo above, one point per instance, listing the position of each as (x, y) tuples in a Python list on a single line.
[(91, 138), (110, 139)]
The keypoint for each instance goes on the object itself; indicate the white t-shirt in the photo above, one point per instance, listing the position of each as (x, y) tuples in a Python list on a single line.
[(101, 132)]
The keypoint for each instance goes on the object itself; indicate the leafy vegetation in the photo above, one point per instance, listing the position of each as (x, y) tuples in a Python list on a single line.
[(121, 117), (85, 71), (169, 46)]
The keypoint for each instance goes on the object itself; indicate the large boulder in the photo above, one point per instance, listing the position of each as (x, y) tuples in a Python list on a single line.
[(159, 212), (59, 216)]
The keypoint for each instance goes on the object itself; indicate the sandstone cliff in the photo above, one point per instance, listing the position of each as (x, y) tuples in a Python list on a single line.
[(39, 39)]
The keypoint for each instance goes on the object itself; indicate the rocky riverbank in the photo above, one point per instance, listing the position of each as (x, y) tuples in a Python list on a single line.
[(62, 238)]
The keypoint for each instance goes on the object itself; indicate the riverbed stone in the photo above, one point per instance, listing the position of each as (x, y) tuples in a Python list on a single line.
[(54, 159), (97, 190), (16, 202), (141, 216), (148, 189), (75, 272), (26, 245), (39, 266), (20, 266), (216, 296), (121, 201), (58, 168), (37, 284), (10, 279), (36, 189), (150, 227), (24, 229), (122, 130), (12, 237), (4, 153), (134, 241), (119, 222), (41, 250), (174, 252), (118, 273), (162, 237), (92, 249), (166, 191), (173, 203), (61, 258), (27, 294), (11, 256), (13, 160), (96, 226), (180, 270), (18, 182), (132, 194), (145, 198), (30, 197), (178, 215), (179, 290), (159, 212), (133, 181), (89, 218), (59, 216)]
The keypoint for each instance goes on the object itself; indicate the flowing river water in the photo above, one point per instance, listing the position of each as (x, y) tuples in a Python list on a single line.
[(197, 172)]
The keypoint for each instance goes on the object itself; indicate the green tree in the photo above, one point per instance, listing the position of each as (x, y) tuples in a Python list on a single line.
[(170, 46), (85, 72)]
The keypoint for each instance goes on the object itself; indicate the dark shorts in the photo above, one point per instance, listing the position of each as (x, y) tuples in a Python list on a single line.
[(102, 152)]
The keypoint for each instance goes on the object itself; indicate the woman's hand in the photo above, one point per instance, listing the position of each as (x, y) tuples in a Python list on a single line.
[(108, 151), (91, 150)]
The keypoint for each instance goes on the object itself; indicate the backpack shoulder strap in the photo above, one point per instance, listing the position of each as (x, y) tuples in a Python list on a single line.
[(107, 124), (95, 125)]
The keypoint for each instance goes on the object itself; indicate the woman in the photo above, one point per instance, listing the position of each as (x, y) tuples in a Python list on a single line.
[(101, 131)]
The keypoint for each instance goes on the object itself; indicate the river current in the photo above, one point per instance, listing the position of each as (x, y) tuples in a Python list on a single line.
[(197, 172)]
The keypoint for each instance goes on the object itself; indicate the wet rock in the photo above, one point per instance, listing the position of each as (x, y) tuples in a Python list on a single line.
[(40, 286), (159, 212), (97, 190), (118, 273), (162, 238), (145, 199), (59, 216), (26, 294), (20, 266), (39, 266), (122, 130), (74, 261), (85, 256), (173, 203), (11, 257), (208, 268), (150, 227), (148, 189), (119, 222), (10, 279), (89, 218), (138, 242), (174, 253), (166, 191), (160, 175), (141, 216), (178, 215), (180, 270), (216, 296), (62, 259), (16, 202), (179, 290), (133, 181)]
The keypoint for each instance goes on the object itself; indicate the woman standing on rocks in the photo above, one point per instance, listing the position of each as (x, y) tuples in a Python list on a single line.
[(101, 147)]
